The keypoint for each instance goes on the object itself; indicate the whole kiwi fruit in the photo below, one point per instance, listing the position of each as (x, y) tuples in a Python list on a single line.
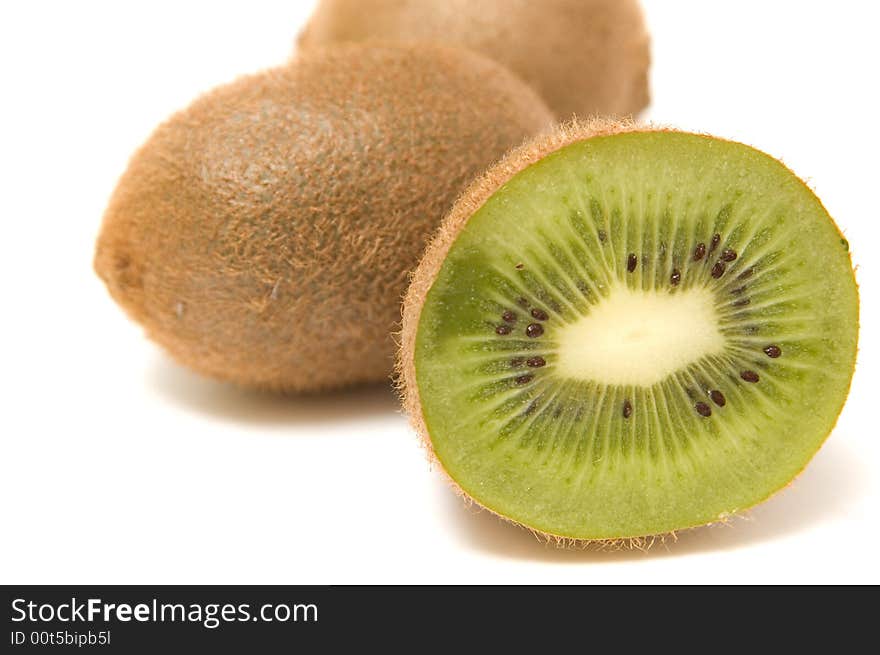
[(621, 331), (264, 234), (584, 57)]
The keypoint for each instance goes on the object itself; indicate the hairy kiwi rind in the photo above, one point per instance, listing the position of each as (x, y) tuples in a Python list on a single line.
[(263, 235), (584, 57), (429, 267)]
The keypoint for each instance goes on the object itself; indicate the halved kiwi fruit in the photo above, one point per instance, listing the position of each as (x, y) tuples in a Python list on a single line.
[(621, 331)]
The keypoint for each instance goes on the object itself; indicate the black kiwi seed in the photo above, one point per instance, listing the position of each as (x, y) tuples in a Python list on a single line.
[(749, 376), (602, 235), (502, 330), (631, 262), (539, 314), (746, 274), (699, 251), (522, 302), (509, 316), (519, 266), (533, 330), (536, 362), (728, 255), (627, 409), (524, 379), (738, 291), (772, 351), (716, 239), (703, 409), (742, 302), (718, 270), (675, 278), (717, 398)]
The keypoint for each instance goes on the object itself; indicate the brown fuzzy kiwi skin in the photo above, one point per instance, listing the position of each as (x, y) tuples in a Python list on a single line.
[(584, 57), (426, 272), (264, 234)]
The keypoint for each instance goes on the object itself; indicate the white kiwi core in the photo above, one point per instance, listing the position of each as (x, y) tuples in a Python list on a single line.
[(637, 338)]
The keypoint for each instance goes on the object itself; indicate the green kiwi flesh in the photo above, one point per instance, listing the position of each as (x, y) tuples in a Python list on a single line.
[(637, 333)]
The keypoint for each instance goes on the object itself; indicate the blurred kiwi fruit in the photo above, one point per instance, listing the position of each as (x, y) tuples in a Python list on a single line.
[(584, 57), (622, 331), (264, 234)]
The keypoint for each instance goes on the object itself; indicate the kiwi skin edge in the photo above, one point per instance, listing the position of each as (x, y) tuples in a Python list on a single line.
[(426, 272)]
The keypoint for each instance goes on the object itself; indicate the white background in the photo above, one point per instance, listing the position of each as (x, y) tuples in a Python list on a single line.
[(117, 466)]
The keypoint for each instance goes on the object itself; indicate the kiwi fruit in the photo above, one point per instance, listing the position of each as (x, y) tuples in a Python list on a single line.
[(584, 57), (622, 331), (264, 234)]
